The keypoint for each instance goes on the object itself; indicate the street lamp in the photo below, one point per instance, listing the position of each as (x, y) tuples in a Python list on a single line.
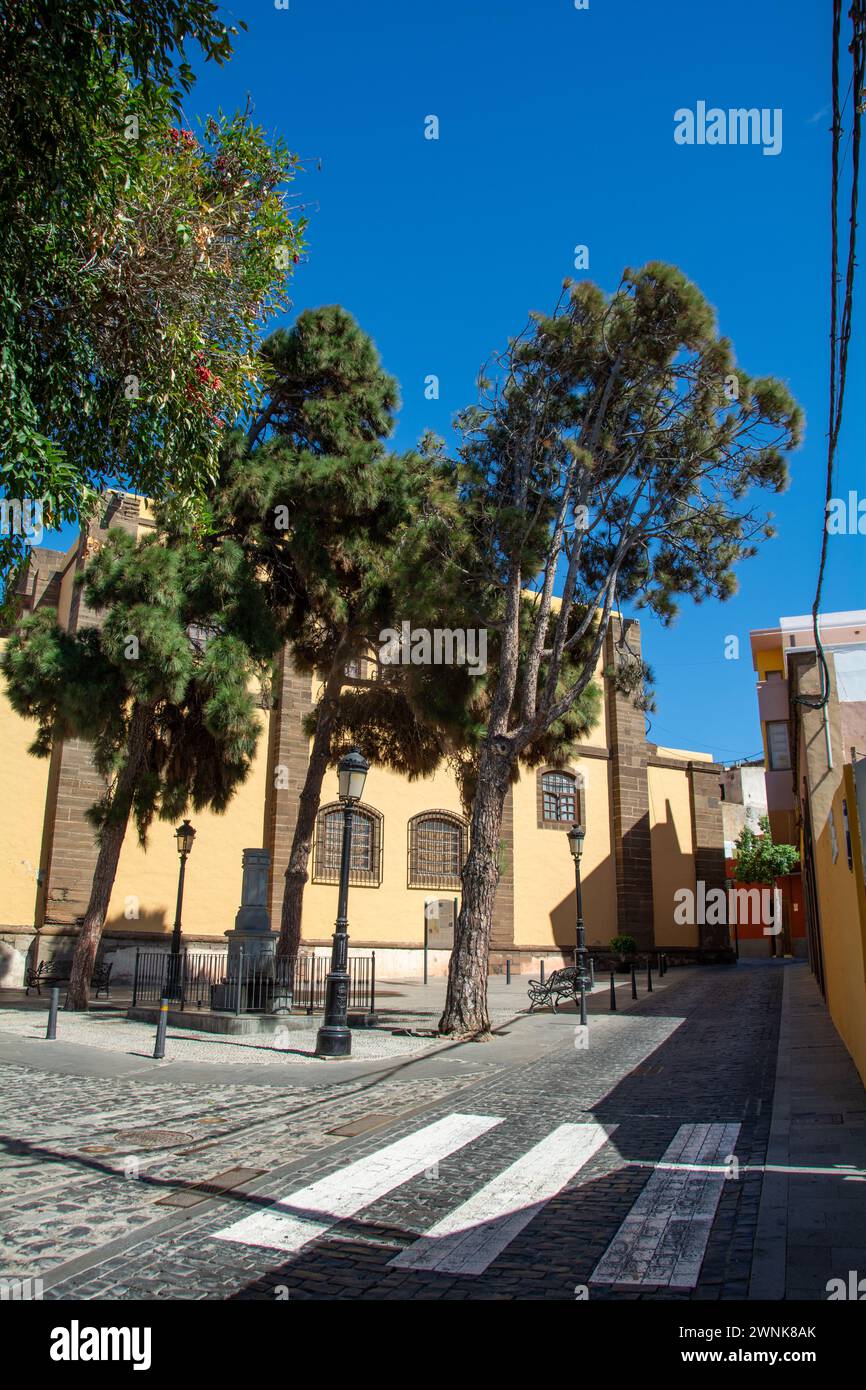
[(729, 884), (575, 844), (334, 1038), (184, 835)]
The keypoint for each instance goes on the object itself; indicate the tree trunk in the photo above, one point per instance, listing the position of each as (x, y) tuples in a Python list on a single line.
[(465, 1013), (308, 808), (110, 844)]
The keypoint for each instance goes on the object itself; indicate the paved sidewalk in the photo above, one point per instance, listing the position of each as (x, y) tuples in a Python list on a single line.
[(812, 1219), (104, 1043)]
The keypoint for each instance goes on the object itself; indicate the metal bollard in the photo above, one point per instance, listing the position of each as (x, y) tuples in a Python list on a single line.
[(542, 971), (162, 1024), (612, 993), (633, 984), (649, 976), (51, 1030), (591, 973), (508, 972)]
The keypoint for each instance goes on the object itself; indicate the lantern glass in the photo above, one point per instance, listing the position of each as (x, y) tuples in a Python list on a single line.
[(352, 773), (184, 836), (575, 840)]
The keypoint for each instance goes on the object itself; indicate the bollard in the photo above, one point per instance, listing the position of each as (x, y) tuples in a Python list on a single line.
[(51, 1030), (633, 984), (591, 973), (508, 972), (542, 972), (162, 1024), (649, 976), (612, 993)]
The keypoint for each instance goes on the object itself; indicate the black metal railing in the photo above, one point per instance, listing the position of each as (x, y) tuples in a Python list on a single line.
[(246, 983)]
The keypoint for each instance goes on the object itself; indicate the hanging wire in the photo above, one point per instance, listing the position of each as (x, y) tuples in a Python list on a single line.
[(840, 325)]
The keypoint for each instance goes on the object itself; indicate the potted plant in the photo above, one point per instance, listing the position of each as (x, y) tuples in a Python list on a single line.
[(625, 950)]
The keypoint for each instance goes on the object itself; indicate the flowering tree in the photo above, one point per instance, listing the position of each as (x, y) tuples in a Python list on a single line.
[(137, 261)]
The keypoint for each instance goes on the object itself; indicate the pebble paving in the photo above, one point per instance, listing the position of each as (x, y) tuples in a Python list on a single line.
[(703, 1053)]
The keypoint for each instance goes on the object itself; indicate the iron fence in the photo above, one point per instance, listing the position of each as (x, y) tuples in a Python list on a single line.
[(246, 984)]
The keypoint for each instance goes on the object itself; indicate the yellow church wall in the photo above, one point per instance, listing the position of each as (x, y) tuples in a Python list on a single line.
[(544, 894), (393, 913), (146, 881), (672, 847), (23, 790)]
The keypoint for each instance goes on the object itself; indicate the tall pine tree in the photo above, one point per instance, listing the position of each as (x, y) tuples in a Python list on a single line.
[(330, 516), (162, 691)]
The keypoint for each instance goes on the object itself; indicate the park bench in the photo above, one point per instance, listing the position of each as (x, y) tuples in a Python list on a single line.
[(561, 984), (57, 973)]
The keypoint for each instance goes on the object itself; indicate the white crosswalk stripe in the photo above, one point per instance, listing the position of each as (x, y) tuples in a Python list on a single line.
[(310, 1211), (664, 1238), (470, 1237)]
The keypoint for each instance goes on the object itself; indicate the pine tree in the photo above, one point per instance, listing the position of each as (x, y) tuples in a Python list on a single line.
[(330, 514), (610, 453), (161, 691)]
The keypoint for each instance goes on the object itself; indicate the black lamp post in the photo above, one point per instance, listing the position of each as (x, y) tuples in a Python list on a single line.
[(184, 835), (575, 844), (729, 884), (334, 1037)]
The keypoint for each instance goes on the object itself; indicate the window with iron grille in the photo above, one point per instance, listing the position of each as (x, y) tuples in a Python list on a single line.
[(559, 797), (437, 849), (366, 862)]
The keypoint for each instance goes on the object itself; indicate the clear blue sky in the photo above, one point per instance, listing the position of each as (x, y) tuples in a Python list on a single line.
[(556, 128)]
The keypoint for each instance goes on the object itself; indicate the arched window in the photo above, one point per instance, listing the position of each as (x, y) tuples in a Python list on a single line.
[(437, 849), (560, 802), (366, 863)]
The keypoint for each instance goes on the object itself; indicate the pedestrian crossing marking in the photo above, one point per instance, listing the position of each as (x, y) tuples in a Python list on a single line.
[(469, 1238), (293, 1221), (664, 1238)]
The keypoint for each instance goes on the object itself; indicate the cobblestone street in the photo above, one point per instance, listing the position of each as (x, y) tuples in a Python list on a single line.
[(148, 1186)]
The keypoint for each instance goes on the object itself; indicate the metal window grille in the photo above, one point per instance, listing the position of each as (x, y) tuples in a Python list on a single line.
[(437, 849), (559, 796), (366, 862)]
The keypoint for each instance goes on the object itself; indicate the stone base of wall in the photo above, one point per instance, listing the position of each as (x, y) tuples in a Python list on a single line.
[(15, 948)]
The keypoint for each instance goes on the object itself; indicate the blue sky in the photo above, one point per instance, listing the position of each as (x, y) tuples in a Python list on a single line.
[(556, 128)]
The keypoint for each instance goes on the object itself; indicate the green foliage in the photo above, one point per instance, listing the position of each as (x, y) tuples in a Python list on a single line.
[(623, 945), (184, 634), (622, 400), (137, 261), (758, 860), (313, 493)]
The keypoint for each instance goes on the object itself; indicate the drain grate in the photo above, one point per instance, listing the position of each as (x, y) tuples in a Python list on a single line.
[(364, 1123), (211, 1187)]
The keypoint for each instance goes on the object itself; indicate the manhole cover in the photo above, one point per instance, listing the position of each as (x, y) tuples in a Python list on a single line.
[(152, 1138)]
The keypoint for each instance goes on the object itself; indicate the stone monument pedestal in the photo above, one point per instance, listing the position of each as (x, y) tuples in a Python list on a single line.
[(252, 973)]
